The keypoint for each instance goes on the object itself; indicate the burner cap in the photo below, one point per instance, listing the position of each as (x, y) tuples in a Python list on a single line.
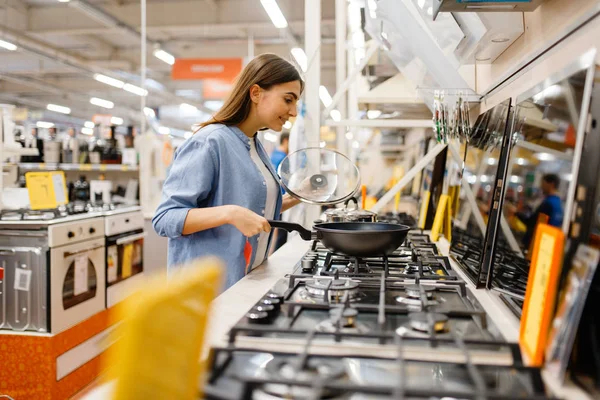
[(334, 287), (414, 291), (423, 321)]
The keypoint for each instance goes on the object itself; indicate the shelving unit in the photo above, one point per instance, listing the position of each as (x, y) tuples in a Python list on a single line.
[(78, 167)]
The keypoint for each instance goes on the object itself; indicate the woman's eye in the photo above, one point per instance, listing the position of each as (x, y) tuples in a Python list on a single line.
[(289, 101)]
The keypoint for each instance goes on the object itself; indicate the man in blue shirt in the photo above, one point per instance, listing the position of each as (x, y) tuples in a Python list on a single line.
[(551, 206), (279, 153)]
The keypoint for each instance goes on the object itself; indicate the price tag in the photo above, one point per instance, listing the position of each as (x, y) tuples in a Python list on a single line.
[(541, 291), (22, 279), (81, 275), (86, 167), (46, 189), (102, 167)]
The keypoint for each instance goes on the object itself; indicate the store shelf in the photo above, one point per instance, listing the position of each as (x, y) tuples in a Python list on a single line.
[(77, 167)]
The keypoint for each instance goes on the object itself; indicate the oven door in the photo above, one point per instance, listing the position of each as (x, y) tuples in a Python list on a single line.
[(78, 283), (124, 264), (23, 288)]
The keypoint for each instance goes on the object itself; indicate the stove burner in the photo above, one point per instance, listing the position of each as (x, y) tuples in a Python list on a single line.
[(414, 291), (335, 287), (414, 269), (424, 322), (363, 268), (314, 370), (344, 320)]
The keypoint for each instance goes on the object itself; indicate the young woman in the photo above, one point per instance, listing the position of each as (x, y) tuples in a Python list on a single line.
[(221, 187)]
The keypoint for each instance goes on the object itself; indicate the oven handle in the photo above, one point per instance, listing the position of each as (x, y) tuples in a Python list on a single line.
[(132, 238), (72, 253)]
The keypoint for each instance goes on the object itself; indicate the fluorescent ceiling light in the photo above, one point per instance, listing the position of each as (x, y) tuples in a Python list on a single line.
[(102, 103), (163, 130), (188, 107), (96, 13), (109, 81), (63, 1), (7, 45), (135, 89), (373, 114), (287, 125), (336, 115), (275, 13), (271, 137), (44, 124), (322, 144), (149, 112), (544, 156), (300, 57), (325, 96), (87, 131), (164, 56), (89, 124), (58, 109), (349, 135), (116, 121)]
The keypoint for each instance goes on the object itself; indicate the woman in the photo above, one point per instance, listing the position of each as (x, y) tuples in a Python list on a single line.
[(221, 187)]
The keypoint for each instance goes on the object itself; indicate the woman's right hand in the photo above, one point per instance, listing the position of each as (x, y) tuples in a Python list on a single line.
[(248, 222)]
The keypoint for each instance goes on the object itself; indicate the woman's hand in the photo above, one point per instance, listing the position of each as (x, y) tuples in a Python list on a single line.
[(248, 222)]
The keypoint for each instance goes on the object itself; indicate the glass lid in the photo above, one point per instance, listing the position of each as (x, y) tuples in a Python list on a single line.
[(319, 176)]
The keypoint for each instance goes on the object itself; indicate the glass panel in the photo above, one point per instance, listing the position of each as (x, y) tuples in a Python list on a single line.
[(70, 299)]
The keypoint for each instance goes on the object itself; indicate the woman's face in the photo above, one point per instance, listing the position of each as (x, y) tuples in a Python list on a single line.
[(277, 104)]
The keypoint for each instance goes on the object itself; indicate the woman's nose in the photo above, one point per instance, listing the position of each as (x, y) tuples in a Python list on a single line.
[(293, 111)]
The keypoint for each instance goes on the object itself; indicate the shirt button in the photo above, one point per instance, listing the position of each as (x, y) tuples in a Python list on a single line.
[(262, 211), (264, 183)]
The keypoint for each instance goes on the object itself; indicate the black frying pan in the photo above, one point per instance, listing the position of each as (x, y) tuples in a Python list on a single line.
[(357, 239)]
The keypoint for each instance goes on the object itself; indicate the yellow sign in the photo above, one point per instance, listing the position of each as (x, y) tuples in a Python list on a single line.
[(46, 189), (127, 260)]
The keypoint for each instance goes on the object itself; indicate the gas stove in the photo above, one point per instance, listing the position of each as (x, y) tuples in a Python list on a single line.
[(417, 257), (397, 218)]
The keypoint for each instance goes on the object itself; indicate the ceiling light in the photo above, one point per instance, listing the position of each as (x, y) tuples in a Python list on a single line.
[(87, 131), (349, 135), (89, 124), (43, 124), (300, 57), (325, 96), (188, 135), (271, 137), (7, 45), (491, 161), (58, 109), (109, 81), (521, 161), (188, 107), (164, 56), (287, 125), (63, 1), (421, 3), (135, 89), (336, 115), (373, 114), (102, 103), (163, 130), (116, 121), (355, 144), (275, 13), (322, 144), (544, 156), (149, 112)]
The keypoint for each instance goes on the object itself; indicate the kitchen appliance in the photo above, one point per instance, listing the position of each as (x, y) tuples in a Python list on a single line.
[(349, 214), (100, 191), (52, 151), (124, 252), (55, 265)]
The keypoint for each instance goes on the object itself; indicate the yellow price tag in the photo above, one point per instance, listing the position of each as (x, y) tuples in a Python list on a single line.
[(103, 167), (46, 189), (86, 167), (124, 167)]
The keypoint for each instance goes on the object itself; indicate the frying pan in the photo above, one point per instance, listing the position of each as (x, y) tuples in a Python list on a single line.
[(356, 239)]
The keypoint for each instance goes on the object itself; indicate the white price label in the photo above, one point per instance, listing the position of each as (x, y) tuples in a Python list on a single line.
[(81, 275), (112, 263), (22, 279)]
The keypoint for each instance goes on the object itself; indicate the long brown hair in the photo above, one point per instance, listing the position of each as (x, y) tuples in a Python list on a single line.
[(265, 70)]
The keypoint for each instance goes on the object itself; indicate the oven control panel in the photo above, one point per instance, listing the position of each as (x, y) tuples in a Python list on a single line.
[(76, 231), (126, 222)]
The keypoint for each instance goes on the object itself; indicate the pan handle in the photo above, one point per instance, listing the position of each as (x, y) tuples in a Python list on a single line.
[(290, 227)]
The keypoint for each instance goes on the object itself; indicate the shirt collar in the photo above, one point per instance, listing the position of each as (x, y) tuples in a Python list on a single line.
[(241, 135)]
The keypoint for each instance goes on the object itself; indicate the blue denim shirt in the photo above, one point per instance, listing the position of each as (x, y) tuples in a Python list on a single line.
[(213, 168)]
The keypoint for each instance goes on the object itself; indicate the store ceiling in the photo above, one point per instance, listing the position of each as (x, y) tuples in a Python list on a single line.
[(87, 43)]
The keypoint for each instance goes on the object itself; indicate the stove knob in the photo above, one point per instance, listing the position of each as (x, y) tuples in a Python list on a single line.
[(307, 264), (92, 231), (273, 295), (269, 309), (257, 317), (71, 234), (275, 302)]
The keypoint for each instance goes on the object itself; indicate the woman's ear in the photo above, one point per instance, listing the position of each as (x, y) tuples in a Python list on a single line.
[(255, 93)]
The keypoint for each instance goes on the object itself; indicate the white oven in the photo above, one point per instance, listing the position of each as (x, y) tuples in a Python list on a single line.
[(77, 272)]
